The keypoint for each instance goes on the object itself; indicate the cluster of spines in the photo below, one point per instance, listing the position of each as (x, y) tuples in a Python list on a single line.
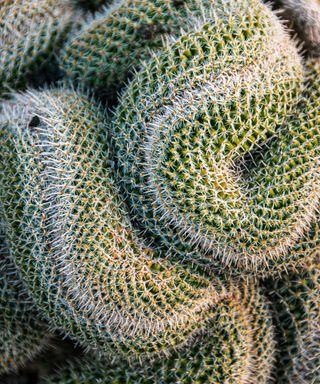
[(31, 34), (22, 333), (115, 42), (295, 299), (236, 347)]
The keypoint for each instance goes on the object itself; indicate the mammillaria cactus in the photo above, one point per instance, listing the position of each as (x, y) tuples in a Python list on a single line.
[(303, 17), (73, 242), (22, 334), (31, 34), (237, 347), (296, 301), (114, 43), (218, 147)]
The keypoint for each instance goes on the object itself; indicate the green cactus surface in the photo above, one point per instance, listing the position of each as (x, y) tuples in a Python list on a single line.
[(237, 347), (73, 242), (112, 44), (296, 300), (22, 334), (31, 34), (303, 17), (217, 142)]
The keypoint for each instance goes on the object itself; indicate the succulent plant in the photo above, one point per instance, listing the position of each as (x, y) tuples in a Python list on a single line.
[(296, 301), (22, 334), (73, 242), (113, 44), (31, 34), (236, 347), (217, 145), (303, 18)]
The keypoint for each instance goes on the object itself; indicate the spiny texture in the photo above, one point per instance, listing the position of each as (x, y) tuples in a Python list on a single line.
[(22, 334), (296, 301), (215, 147), (72, 240), (111, 45), (303, 17), (31, 34), (236, 347)]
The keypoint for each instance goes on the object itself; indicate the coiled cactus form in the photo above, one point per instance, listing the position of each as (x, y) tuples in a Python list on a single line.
[(31, 34), (303, 17), (237, 347), (73, 243), (296, 301), (218, 145), (22, 334), (111, 45)]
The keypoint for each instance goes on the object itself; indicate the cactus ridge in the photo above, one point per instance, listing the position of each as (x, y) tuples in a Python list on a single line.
[(196, 137), (113, 43), (22, 334), (296, 309), (234, 348), (31, 34)]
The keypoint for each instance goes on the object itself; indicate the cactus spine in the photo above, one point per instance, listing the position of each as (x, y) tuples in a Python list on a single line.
[(31, 34)]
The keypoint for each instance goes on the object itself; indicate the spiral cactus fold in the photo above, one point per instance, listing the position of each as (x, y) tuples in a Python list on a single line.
[(236, 347), (212, 142), (72, 240)]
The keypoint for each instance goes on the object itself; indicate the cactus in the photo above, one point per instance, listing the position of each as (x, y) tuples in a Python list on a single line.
[(31, 34), (73, 242), (303, 17), (215, 147), (297, 318), (22, 334), (102, 55), (237, 347)]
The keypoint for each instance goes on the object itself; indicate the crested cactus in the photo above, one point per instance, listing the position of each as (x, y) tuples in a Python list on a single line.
[(217, 143), (296, 301), (213, 155), (303, 17), (31, 34), (73, 243), (22, 334), (237, 347), (102, 55)]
